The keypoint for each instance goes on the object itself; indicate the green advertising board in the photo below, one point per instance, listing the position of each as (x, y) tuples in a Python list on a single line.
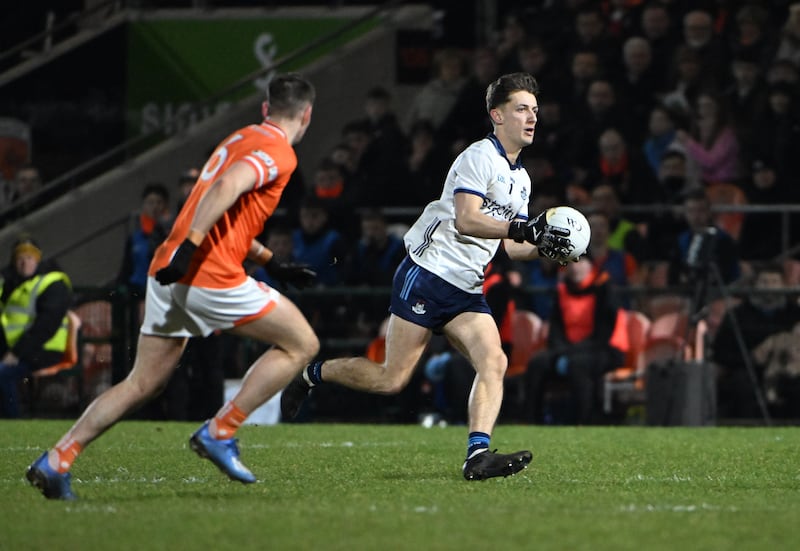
[(175, 63)]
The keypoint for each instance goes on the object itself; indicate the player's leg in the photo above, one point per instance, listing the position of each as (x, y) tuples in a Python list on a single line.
[(475, 335), (156, 357), (294, 344), (405, 343)]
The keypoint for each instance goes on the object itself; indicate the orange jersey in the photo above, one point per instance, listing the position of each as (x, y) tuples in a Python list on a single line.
[(217, 264)]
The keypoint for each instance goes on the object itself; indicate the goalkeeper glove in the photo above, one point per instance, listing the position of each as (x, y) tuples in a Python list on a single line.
[(179, 264)]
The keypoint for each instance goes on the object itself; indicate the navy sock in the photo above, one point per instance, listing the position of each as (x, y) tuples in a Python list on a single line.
[(314, 373), (478, 441)]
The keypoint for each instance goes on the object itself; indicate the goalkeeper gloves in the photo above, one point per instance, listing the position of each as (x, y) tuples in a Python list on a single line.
[(552, 241), (179, 264), (299, 275)]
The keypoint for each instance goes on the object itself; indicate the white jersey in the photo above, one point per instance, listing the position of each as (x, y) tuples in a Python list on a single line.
[(433, 241)]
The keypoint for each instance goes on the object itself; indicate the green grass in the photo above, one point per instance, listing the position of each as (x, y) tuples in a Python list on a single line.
[(399, 487)]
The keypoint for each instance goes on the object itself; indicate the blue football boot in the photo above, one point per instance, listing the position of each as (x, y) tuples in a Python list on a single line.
[(223, 453), (53, 485)]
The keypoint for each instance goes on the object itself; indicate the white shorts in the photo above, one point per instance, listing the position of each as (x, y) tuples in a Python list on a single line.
[(180, 310)]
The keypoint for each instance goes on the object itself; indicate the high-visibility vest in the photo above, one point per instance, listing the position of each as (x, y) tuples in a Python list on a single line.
[(616, 240), (20, 310)]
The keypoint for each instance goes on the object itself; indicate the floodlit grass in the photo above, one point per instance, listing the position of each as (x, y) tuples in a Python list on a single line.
[(400, 487)]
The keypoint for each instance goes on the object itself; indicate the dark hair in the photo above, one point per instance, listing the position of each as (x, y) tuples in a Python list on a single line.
[(156, 188), (696, 194), (289, 94), (501, 89)]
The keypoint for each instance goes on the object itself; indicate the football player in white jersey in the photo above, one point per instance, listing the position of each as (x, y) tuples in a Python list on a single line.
[(438, 287)]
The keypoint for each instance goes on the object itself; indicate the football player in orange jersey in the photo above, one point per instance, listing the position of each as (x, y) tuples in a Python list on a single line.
[(197, 285)]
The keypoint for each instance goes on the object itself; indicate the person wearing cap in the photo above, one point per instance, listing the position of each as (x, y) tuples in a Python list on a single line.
[(35, 298)]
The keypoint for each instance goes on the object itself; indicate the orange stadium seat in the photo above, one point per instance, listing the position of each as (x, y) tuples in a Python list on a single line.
[(629, 378)]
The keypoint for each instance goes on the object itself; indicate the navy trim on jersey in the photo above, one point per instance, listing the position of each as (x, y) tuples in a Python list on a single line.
[(428, 237), (502, 151), (467, 190)]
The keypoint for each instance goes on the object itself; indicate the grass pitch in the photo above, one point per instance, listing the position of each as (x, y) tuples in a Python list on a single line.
[(400, 487)]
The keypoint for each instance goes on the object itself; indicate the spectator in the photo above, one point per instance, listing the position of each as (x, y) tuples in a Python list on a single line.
[(623, 235), (427, 166), (712, 142), (746, 97), (780, 354), (534, 58), (585, 67), (639, 84), (783, 70), (438, 96), (789, 43), (186, 182), (700, 38), (600, 112), (676, 175), (147, 228), (688, 79), (318, 245), (764, 188), (624, 169), (777, 134), (466, 121), (383, 159), (591, 34), (35, 297), (587, 337), (337, 195), (698, 216), (512, 34), (27, 182), (621, 266), (658, 29), (760, 315), (661, 133), (751, 36), (372, 263)]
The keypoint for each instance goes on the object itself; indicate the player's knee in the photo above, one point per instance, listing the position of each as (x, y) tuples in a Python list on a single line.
[(496, 364), (393, 381), (308, 349)]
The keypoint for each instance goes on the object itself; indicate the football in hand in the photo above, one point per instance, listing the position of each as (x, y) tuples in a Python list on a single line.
[(574, 221)]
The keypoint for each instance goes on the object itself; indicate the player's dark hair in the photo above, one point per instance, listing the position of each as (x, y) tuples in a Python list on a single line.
[(501, 89), (289, 94)]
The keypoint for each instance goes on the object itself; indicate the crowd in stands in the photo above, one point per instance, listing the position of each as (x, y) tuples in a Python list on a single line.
[(650, 113)]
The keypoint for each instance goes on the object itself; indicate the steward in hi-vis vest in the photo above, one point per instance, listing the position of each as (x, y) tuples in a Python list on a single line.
[(34, 300)]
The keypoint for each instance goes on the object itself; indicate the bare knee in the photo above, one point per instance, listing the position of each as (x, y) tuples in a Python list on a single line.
[(307, 349), (392, 381), (494, 365)]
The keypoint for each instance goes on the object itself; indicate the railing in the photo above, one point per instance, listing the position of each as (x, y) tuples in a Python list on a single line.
[(137, 145)]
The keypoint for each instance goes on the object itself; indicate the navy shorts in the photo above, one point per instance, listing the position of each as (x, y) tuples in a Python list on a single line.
[(428, 300)]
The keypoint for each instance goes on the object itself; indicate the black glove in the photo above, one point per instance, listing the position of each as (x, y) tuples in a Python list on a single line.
[(554, 244), (299, 275), (179, 264), (552, 241)]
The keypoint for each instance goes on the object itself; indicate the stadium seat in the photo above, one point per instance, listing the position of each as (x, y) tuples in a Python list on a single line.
[(529, 336), (629, 378), (727, 194), (96, 350)]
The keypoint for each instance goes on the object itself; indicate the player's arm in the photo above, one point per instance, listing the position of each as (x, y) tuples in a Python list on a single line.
[(518, 235), (471, 221), (218, 198)]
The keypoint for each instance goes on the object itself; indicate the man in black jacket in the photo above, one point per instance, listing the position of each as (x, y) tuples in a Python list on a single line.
[(35, 298)]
